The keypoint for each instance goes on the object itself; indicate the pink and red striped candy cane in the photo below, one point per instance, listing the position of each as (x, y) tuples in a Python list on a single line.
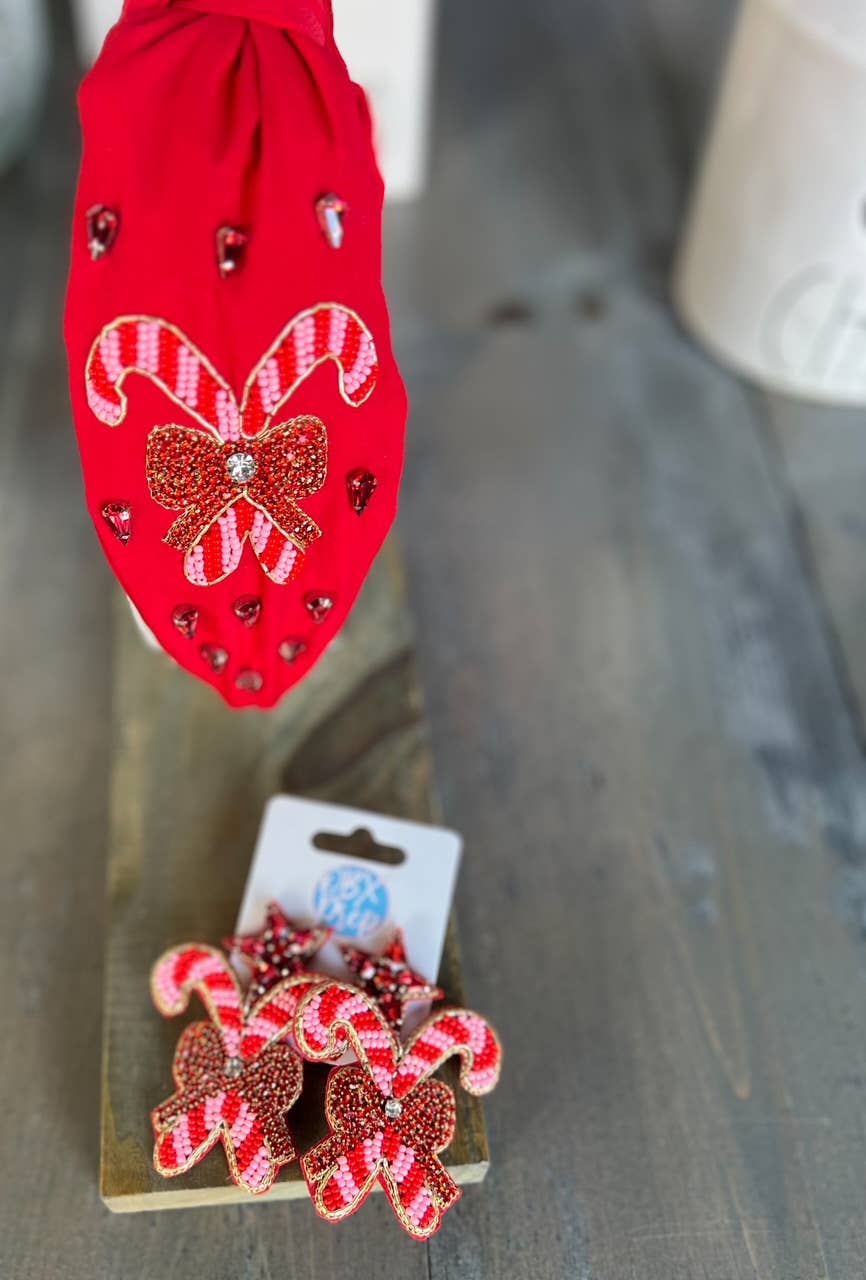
[(194, 968), (205, 971), (446, 1033), (335, 1016), (273, 1016), (234, 1078), (157, 350), (388, 1118), (217, 553), (326, 332)]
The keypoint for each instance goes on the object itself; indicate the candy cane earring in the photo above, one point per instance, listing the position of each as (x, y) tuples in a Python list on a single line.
[(389, 1119), (235, 1079)]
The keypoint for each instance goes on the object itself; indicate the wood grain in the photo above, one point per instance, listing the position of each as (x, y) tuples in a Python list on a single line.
[(190, 779)]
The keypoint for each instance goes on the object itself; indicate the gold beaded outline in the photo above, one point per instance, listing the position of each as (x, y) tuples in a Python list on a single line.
[(154, 378), (186, 991), (332, 1048), (466, 1053), (341, 371)]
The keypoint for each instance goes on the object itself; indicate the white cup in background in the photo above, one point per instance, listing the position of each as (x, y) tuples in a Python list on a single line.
[(771, 273)]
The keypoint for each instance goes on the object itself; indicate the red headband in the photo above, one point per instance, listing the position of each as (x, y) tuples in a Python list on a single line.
[(313, 17), (239, 412)]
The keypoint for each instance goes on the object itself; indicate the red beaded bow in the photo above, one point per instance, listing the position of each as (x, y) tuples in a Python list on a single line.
[(242, 476), (238, 492), (235, 1082), (388, 1119)]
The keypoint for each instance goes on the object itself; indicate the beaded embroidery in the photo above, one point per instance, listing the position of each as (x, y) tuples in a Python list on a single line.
[(389, 979), (280, 950), (235, 1081), (388, 1119), (242, 476)]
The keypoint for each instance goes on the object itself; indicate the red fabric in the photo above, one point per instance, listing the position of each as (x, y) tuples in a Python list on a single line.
[(197, 118), (310, 16)]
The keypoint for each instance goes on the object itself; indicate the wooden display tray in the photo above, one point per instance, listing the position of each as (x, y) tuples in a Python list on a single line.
[(190, 779)]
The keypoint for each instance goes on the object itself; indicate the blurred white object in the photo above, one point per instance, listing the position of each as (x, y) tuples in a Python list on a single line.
[(143, 629), (92, 21), (388, 47), (772, 267), (23, 64)]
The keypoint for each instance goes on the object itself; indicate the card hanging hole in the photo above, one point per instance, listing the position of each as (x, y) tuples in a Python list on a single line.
[(361, 845)]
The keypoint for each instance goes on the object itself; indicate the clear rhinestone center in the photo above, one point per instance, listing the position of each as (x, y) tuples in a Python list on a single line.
[(241, 467), (233, 1067), (393, 1108)]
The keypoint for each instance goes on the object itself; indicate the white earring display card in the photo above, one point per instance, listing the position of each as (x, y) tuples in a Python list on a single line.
[(362, 874)]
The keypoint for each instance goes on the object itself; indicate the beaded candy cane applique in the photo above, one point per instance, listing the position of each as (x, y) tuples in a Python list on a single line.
[(389, 1120), (243, 476), (235, 1080)]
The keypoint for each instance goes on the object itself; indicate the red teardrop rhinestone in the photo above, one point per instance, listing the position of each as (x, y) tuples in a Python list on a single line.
[(118, 517), (248, 610), (185, 618), (215, 656), (360, 486), (318, 605), (330, 212), (289, 650), (231, 249), (102, 227)]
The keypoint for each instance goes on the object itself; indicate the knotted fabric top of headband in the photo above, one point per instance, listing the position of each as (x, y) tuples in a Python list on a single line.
[(238, 408), (309, 17)]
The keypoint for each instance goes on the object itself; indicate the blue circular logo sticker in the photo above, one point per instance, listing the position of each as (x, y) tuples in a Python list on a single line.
[(352, 900)]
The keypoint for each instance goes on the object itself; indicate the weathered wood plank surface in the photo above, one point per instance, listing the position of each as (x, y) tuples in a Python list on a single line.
[(190, 780), (823, 455), (639, 636)]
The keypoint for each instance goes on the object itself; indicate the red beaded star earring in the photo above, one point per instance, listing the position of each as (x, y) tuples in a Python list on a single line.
[(280, 950), (388, 979)]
